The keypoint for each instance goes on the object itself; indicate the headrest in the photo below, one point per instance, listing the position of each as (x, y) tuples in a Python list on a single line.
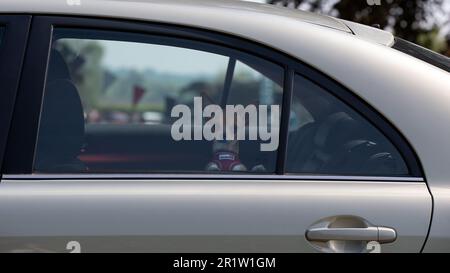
[(57, 68), (61, 128), (336, 130)]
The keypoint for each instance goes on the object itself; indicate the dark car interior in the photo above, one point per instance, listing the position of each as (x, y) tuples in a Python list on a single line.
[(337, 141), (61, 131), (67, 144)]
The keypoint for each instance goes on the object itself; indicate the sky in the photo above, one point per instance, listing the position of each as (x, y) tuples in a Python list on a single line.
[(164, 59)]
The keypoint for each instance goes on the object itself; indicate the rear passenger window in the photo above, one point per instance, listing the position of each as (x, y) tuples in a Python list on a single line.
[(118, 102), (328, 137)]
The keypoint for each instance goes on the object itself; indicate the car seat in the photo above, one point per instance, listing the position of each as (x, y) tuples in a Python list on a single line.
[(61, 128), (339, 145)]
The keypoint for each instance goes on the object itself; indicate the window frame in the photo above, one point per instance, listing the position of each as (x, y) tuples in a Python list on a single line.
[(12, 50), (22, 140), (274, 72)]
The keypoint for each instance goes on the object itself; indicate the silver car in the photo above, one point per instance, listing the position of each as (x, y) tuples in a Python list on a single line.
[(217, 126)]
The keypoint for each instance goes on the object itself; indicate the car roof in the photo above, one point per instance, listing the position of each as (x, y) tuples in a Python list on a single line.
[(105, 7), (369, 33), (169, 11)]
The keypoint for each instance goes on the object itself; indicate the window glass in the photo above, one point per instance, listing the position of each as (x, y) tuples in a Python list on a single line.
[(328, 137), (121, 102)]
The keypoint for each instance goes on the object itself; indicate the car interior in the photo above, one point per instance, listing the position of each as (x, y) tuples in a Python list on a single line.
[(67, 144), (336, 141), (61, 129)]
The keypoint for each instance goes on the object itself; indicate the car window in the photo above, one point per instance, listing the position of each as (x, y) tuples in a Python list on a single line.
[(123, 102), (1, 34), (328, 137), (423, 54)]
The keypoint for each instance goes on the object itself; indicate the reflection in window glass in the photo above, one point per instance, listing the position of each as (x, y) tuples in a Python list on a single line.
[(328, 137), (111, 105), (128, 82)]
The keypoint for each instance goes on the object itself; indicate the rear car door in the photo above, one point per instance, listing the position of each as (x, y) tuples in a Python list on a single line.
[(110, 149)]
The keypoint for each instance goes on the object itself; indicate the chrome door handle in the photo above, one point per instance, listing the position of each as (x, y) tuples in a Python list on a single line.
[(379, 234)]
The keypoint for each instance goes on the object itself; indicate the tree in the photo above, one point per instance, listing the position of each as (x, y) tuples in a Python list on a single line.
[(409, 20), (84, 61)]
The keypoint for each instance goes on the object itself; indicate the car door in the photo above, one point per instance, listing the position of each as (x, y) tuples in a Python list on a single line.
[(102, 155)]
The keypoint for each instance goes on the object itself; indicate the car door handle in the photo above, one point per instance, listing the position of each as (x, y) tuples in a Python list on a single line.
[(379, 234)]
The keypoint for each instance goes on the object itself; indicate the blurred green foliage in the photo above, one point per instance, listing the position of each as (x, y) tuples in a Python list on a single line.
[(105, 89), (413, 20)]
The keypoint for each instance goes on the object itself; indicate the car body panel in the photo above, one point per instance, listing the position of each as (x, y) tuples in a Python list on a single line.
[(163, 11), (370, 33), (200, 216)]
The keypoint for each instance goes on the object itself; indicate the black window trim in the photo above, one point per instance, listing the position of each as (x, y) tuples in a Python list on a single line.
[(23, 133), (12, 50), (421, 53)]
